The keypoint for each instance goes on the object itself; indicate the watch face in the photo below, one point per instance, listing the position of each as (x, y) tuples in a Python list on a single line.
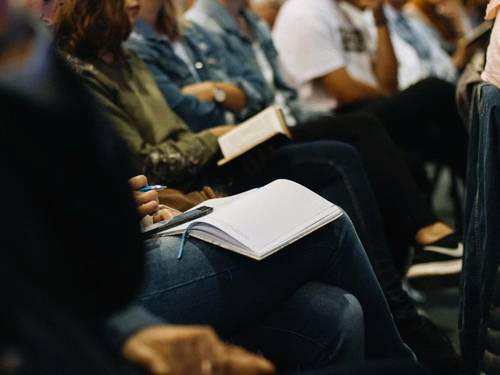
[(219, 95)]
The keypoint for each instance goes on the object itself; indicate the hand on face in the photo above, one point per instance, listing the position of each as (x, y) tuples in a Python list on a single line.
[(190, 350)]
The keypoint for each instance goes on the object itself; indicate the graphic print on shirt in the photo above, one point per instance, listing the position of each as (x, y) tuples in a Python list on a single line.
[(352, 40)]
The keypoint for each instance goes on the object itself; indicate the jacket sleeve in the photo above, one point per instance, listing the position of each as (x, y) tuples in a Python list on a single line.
[(198, 115), (119, 327), (250, 82), (171, 161)]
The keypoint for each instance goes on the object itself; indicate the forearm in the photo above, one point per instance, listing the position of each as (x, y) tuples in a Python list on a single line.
[(235, 98), (346, 90), (386, 65), (361, 91)]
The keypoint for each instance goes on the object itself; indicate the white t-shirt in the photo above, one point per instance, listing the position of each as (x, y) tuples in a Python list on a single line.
[(316, 37), (410, 68)]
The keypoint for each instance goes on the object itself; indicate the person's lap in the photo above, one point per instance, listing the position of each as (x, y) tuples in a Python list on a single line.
[(216, 287)]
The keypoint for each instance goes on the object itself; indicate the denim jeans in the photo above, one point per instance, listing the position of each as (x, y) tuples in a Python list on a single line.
[(313, 304), (482, 216), (335, 171)]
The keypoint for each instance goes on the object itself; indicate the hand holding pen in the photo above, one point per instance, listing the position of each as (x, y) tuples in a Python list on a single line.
[(146, 197)]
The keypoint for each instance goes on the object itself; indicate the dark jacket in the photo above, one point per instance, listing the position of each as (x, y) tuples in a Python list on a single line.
[(71, 253)]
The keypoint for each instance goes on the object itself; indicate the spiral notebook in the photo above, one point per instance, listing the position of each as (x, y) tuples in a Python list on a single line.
[(262, 221)]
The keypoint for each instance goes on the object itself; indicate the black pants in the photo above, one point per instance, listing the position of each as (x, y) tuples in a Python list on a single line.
[(403, 206), (422, 119)]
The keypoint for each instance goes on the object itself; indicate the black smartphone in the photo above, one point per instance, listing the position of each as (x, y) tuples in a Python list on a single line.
[(175, 221)]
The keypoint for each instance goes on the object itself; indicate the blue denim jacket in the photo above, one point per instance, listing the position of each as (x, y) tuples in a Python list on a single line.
[(482, 214), (211, 63), (213, 17)]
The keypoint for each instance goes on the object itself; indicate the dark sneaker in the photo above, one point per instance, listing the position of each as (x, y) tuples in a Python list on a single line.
[(432, 347), (443, 257)]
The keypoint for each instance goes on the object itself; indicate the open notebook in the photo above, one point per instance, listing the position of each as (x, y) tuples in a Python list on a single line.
[(260, 222)]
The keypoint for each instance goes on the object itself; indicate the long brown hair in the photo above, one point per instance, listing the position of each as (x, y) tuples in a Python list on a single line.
[(168, 21), (86, 27)]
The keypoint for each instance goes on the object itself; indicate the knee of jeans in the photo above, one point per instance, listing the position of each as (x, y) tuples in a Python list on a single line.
[(351, 322), (339, 315)]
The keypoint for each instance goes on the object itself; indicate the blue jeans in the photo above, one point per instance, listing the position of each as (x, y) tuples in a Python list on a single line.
[(313, 304), (335, 171), (482, 216)]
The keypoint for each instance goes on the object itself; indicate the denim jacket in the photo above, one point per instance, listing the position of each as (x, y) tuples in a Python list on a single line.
[(481, 236), (211, 63), (212, 16)]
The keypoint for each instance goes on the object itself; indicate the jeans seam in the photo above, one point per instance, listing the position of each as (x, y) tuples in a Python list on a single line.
[(187, 283), (307, 338), (355, 202)]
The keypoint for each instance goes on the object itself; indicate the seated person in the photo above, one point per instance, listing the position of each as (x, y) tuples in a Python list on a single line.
[(53, 308), (215, 88), (410, 32), (160, 35), (315, 165), (355, 75), (446, 19), (418, 51), (70, 312)]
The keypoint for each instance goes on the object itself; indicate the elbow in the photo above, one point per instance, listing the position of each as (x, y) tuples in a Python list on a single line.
[(349, 97)]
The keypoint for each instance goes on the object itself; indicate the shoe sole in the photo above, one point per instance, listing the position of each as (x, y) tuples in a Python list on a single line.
[(458, 252), (448, 267)]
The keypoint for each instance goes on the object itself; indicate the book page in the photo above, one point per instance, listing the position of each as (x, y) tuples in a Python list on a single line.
[(252, 132), (260, 222), (271, 214)]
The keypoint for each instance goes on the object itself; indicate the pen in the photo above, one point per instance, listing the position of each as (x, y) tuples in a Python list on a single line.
[(152, 187)]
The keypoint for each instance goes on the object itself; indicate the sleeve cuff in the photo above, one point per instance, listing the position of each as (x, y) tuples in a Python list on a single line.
[(210, 141), (125, 323)]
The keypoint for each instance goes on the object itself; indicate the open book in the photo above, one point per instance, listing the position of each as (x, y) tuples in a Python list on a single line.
[(256, 130), (261, 221)]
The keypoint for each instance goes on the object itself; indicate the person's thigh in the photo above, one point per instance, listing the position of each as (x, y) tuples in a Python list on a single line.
[(214, 286), (319, 325), (209, 285)]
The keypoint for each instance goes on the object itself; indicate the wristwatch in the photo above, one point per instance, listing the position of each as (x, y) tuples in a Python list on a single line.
[(219, 95)]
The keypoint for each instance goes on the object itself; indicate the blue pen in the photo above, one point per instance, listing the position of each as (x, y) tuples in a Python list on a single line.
[(152, 187)]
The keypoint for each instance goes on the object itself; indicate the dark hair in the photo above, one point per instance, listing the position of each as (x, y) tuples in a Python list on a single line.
[(85, 27), (167, 21)]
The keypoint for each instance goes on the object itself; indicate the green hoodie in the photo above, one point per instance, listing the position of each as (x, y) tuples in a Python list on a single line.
[(161, 144)]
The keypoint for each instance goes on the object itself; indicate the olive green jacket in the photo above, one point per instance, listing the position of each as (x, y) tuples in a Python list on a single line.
[(161, 144)]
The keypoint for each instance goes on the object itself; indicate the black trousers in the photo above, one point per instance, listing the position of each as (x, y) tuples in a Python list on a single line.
[(423, 119), (403, 206)]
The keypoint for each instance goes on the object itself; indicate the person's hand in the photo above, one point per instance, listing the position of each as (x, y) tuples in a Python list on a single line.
[(219, 131), (147, 203), (165, 213), (190, 350)]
